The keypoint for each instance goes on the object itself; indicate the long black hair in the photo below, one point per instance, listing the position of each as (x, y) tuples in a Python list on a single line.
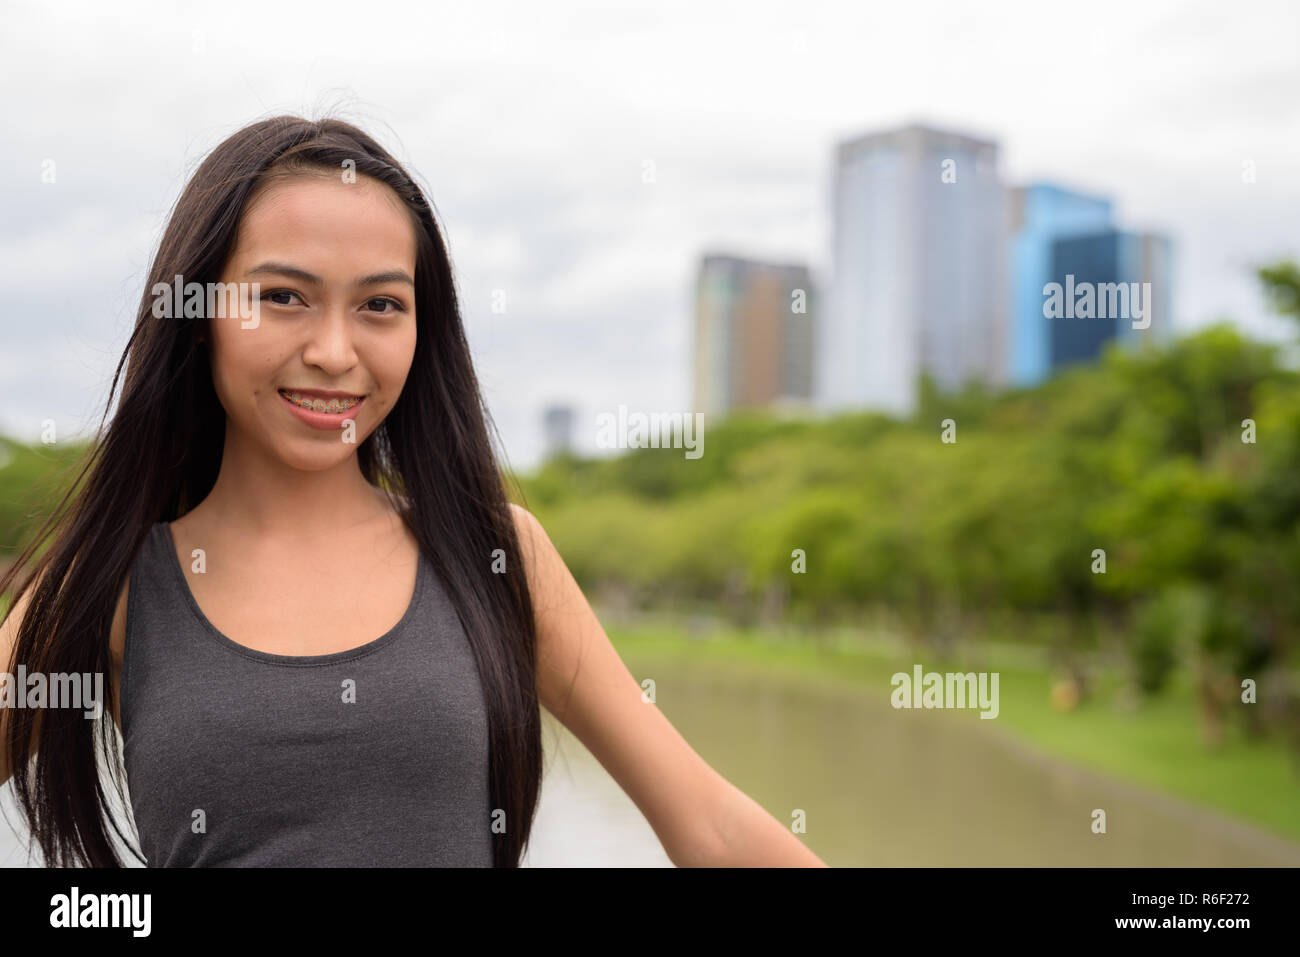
[(159, 457)]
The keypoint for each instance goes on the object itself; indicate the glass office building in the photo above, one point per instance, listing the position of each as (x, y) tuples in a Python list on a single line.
[(1128, 276), (1040, 214)]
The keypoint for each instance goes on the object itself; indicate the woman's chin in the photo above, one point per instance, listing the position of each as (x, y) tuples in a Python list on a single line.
[(315, 456)]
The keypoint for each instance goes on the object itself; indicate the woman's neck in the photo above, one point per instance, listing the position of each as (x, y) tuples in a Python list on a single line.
[(257, 494)]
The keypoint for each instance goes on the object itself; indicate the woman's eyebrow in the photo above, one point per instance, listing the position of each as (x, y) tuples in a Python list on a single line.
[(284, 269), (393, 275)]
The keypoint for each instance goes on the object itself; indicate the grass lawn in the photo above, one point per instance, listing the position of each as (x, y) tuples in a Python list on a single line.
[(1157, 744)]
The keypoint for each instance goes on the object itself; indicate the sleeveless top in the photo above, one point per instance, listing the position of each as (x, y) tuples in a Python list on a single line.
[(375, 756)]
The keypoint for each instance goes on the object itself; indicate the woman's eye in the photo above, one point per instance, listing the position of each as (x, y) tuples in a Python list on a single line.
[(383, 301), (279, 293)]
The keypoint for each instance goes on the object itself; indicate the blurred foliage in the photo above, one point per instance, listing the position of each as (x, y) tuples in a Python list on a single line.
[(1146, 454), (33, 480), (1141, 455), (1282, 282)]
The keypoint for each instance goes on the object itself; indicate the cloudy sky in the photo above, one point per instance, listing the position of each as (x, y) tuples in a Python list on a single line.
[(532, 123)]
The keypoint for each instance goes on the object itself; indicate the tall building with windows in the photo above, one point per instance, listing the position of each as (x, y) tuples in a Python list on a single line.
[(919, 269), (753, 334), (1129, 276), (557, 429), (1039, 214)]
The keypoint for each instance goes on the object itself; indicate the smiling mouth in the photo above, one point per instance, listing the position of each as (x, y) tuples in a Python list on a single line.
[(330, 406)]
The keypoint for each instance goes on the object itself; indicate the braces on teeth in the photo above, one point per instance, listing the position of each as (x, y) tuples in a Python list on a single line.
[(320, 405)]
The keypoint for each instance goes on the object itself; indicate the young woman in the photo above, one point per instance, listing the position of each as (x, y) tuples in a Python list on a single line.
[(327, 633)]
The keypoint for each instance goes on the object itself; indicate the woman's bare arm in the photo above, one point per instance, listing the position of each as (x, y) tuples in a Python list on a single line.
[(9, 639), (700, 818)]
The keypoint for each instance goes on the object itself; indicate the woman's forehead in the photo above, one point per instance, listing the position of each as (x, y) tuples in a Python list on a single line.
[(320, 217)]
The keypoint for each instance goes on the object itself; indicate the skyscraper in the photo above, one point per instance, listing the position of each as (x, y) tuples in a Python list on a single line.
[(1040, 214), (557, 427), (753, 334), (919, 269), (1129, 278)]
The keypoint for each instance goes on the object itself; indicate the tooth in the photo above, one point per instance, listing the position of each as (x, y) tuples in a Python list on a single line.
[(332, 405)]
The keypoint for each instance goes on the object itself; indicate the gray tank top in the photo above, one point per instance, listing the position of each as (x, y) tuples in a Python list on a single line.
[(376, 756)]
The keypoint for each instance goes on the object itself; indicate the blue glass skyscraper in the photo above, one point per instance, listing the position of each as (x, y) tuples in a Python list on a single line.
[(1126, 269), (1041, 213)]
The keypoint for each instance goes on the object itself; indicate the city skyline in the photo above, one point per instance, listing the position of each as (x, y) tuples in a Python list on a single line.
[(940, 268)]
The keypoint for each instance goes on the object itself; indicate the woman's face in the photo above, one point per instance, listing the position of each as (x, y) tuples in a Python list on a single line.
[(322, 360)]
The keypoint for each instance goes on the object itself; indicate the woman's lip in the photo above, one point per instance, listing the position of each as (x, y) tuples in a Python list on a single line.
[(324, 393), (321, 420)]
